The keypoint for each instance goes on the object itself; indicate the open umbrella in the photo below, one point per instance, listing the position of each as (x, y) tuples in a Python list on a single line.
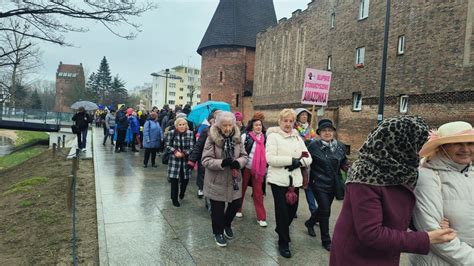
[(202, 111), (89, 106)]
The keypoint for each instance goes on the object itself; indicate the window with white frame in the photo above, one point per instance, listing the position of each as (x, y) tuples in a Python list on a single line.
[(360, 54), (329, 63), (363, 9), (171, 102), (401, 45), (333, 20), (356, 101), (403, 103), (172, 93)]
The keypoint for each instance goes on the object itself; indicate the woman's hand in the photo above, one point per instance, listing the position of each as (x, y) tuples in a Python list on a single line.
[(226, 162), (235, 165), (439, 236), (444, 223), (295, 163), (179, 154)]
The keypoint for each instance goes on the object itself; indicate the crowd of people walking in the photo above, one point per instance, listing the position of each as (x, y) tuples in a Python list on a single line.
[(410, 190)]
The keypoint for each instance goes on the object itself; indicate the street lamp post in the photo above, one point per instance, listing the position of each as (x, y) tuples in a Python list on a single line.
[(384, 64), (167, 74)]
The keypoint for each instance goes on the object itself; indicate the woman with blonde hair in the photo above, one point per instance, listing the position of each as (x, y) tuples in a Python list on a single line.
[(223, 157), (444, 191), (286, 153), (179, 143)]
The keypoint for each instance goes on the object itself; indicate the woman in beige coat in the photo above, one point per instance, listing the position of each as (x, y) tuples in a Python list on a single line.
[(444, 190), (284, 152), (223, 157)]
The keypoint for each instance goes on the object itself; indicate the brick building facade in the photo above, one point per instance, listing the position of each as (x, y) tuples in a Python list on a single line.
[(430, 68), (228, 50), (69, 80)]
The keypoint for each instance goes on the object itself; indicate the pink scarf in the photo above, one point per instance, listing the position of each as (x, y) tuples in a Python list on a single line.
[(259, 161)]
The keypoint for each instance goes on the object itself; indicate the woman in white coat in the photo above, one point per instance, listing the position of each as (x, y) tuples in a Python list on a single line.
[(284, 152), (444, 190)]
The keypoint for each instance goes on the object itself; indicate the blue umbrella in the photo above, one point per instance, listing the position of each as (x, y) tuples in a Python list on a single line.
[(202, 111)]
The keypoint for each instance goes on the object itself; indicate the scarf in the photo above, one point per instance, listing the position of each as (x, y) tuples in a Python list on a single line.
[(259, 161), (332, 145), (228, 144), (389, 156), (306, 132)]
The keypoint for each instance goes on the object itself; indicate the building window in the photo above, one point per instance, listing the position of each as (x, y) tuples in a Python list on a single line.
[(403, 103), (209, 97), (363, 9), (329, 63), (360, 54), (221, 76), (172, 85), (237, 99), (333, 20), (171, 102), (181, 89), (356, 101), (401, 45), (198, 96), (172, 93), (196, 72), (180, 97)]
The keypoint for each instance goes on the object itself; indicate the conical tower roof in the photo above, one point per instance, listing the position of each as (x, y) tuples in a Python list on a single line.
[(237, 22)]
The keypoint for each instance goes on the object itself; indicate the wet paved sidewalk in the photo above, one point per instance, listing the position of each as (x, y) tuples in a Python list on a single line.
[(138, 224)]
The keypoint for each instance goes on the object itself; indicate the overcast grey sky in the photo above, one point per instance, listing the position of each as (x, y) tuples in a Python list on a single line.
[(170, 36)]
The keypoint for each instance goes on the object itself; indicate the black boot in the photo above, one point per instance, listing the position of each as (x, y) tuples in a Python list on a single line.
[(310, 228), (284, 249), (327, 246)]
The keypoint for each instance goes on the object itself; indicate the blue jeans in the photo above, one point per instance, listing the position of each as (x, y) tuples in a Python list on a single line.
[(82, 138), (313, 206)]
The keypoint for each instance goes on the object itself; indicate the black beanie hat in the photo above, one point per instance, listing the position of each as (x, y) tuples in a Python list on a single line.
[(324, 123)]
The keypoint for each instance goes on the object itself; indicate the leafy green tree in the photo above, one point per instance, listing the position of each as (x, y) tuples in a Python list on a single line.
[(35, 101)]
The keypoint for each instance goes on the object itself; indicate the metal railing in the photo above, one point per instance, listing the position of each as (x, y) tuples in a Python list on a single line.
[(36, 116)]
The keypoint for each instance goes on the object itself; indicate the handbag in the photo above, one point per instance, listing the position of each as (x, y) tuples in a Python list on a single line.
[(304, 173), (75, 129), (111, 131), (166, 155), (290, 195)]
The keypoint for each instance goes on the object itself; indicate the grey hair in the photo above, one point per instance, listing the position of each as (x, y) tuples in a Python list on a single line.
[(225, 116)]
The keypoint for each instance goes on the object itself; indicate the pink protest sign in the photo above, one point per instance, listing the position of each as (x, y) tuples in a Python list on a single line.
[(316, 87)]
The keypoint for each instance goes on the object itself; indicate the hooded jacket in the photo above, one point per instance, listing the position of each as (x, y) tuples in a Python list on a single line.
[(218, 180), (445, 189), (281, 148)]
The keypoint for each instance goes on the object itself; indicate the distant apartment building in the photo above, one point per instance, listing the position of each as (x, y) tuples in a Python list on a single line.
[(70, 82), (183, 86)]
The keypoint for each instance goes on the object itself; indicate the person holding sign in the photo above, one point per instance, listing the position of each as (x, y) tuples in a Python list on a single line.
[(303, 126)]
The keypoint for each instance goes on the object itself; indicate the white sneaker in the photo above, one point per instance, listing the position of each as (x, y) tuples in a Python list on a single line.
[(239, 214), (200, 193), (262, 223), (84, 150)]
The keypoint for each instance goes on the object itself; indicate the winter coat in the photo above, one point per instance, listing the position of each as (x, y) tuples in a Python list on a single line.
[(325, 172), (110, 121), (218, 180), (134, 124), (121, 120), (444, 191), (372, 227), (280, 149), (196, 153), (152, 134), (183, 142), (82, 120)]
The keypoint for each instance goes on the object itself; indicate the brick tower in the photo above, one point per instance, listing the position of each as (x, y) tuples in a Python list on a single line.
[(228, 49)]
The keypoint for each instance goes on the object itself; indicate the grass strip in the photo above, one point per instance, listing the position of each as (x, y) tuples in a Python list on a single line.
[(19, 157)]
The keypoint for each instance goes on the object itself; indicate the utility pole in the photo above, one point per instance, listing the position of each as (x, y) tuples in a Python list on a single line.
[(384, 64)]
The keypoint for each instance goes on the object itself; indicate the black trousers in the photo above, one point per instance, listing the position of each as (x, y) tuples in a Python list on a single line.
[(222, 217), (175, 182), (107, 136), (200, 176), (120, 139), (284, 213), (324, 200), (149, 151)]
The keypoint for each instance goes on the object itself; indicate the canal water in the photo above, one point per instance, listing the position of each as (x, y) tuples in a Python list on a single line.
[(6, 146)]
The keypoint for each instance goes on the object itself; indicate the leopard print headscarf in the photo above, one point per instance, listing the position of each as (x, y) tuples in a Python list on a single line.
[(389, 156)]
